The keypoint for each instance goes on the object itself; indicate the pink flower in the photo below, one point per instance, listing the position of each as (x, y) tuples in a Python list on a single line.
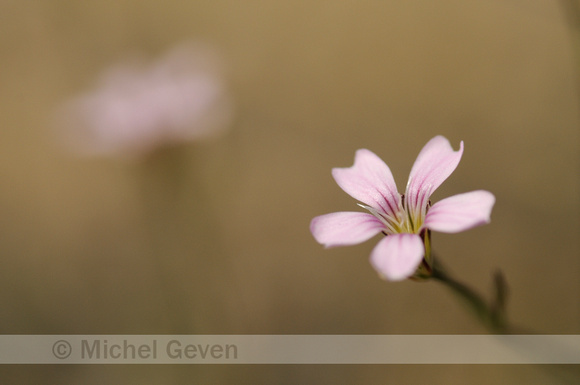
[(138, 106), (407, 219)]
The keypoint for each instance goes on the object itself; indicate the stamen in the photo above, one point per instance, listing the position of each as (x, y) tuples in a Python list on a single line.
[(390, 223)]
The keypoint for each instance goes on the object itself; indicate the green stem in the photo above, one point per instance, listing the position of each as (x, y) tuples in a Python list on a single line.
[(571, 11), (161, 179), (492, 316)]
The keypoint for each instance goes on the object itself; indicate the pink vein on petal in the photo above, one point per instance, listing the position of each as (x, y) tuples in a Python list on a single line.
[(370, 181), (433, 165)]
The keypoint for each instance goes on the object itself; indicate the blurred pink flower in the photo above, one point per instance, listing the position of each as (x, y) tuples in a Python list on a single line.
[(404, 219), (137, 107)]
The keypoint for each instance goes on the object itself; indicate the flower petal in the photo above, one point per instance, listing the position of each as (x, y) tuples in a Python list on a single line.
[(435, 163), (397, 256), (370, 181), (460, 212), (345, 228)]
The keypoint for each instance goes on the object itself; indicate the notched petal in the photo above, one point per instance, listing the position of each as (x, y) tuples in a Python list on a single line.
[(435, 163), (370, 181)]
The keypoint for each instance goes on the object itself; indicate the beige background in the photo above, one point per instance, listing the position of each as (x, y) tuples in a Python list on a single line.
[(213, 238)]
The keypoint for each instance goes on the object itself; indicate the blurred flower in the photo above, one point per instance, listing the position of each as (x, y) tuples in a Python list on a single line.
[(406, 220), (137, 107)]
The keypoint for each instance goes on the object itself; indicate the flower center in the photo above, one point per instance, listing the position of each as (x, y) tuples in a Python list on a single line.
[(402, 220)]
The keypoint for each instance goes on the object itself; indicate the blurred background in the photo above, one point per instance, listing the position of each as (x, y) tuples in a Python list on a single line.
[(212, 236)]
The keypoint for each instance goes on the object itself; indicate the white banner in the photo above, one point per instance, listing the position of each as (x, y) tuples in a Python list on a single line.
[(289, 349)]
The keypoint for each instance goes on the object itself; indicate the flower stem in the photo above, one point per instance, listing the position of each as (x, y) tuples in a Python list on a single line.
[(491, 315)]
